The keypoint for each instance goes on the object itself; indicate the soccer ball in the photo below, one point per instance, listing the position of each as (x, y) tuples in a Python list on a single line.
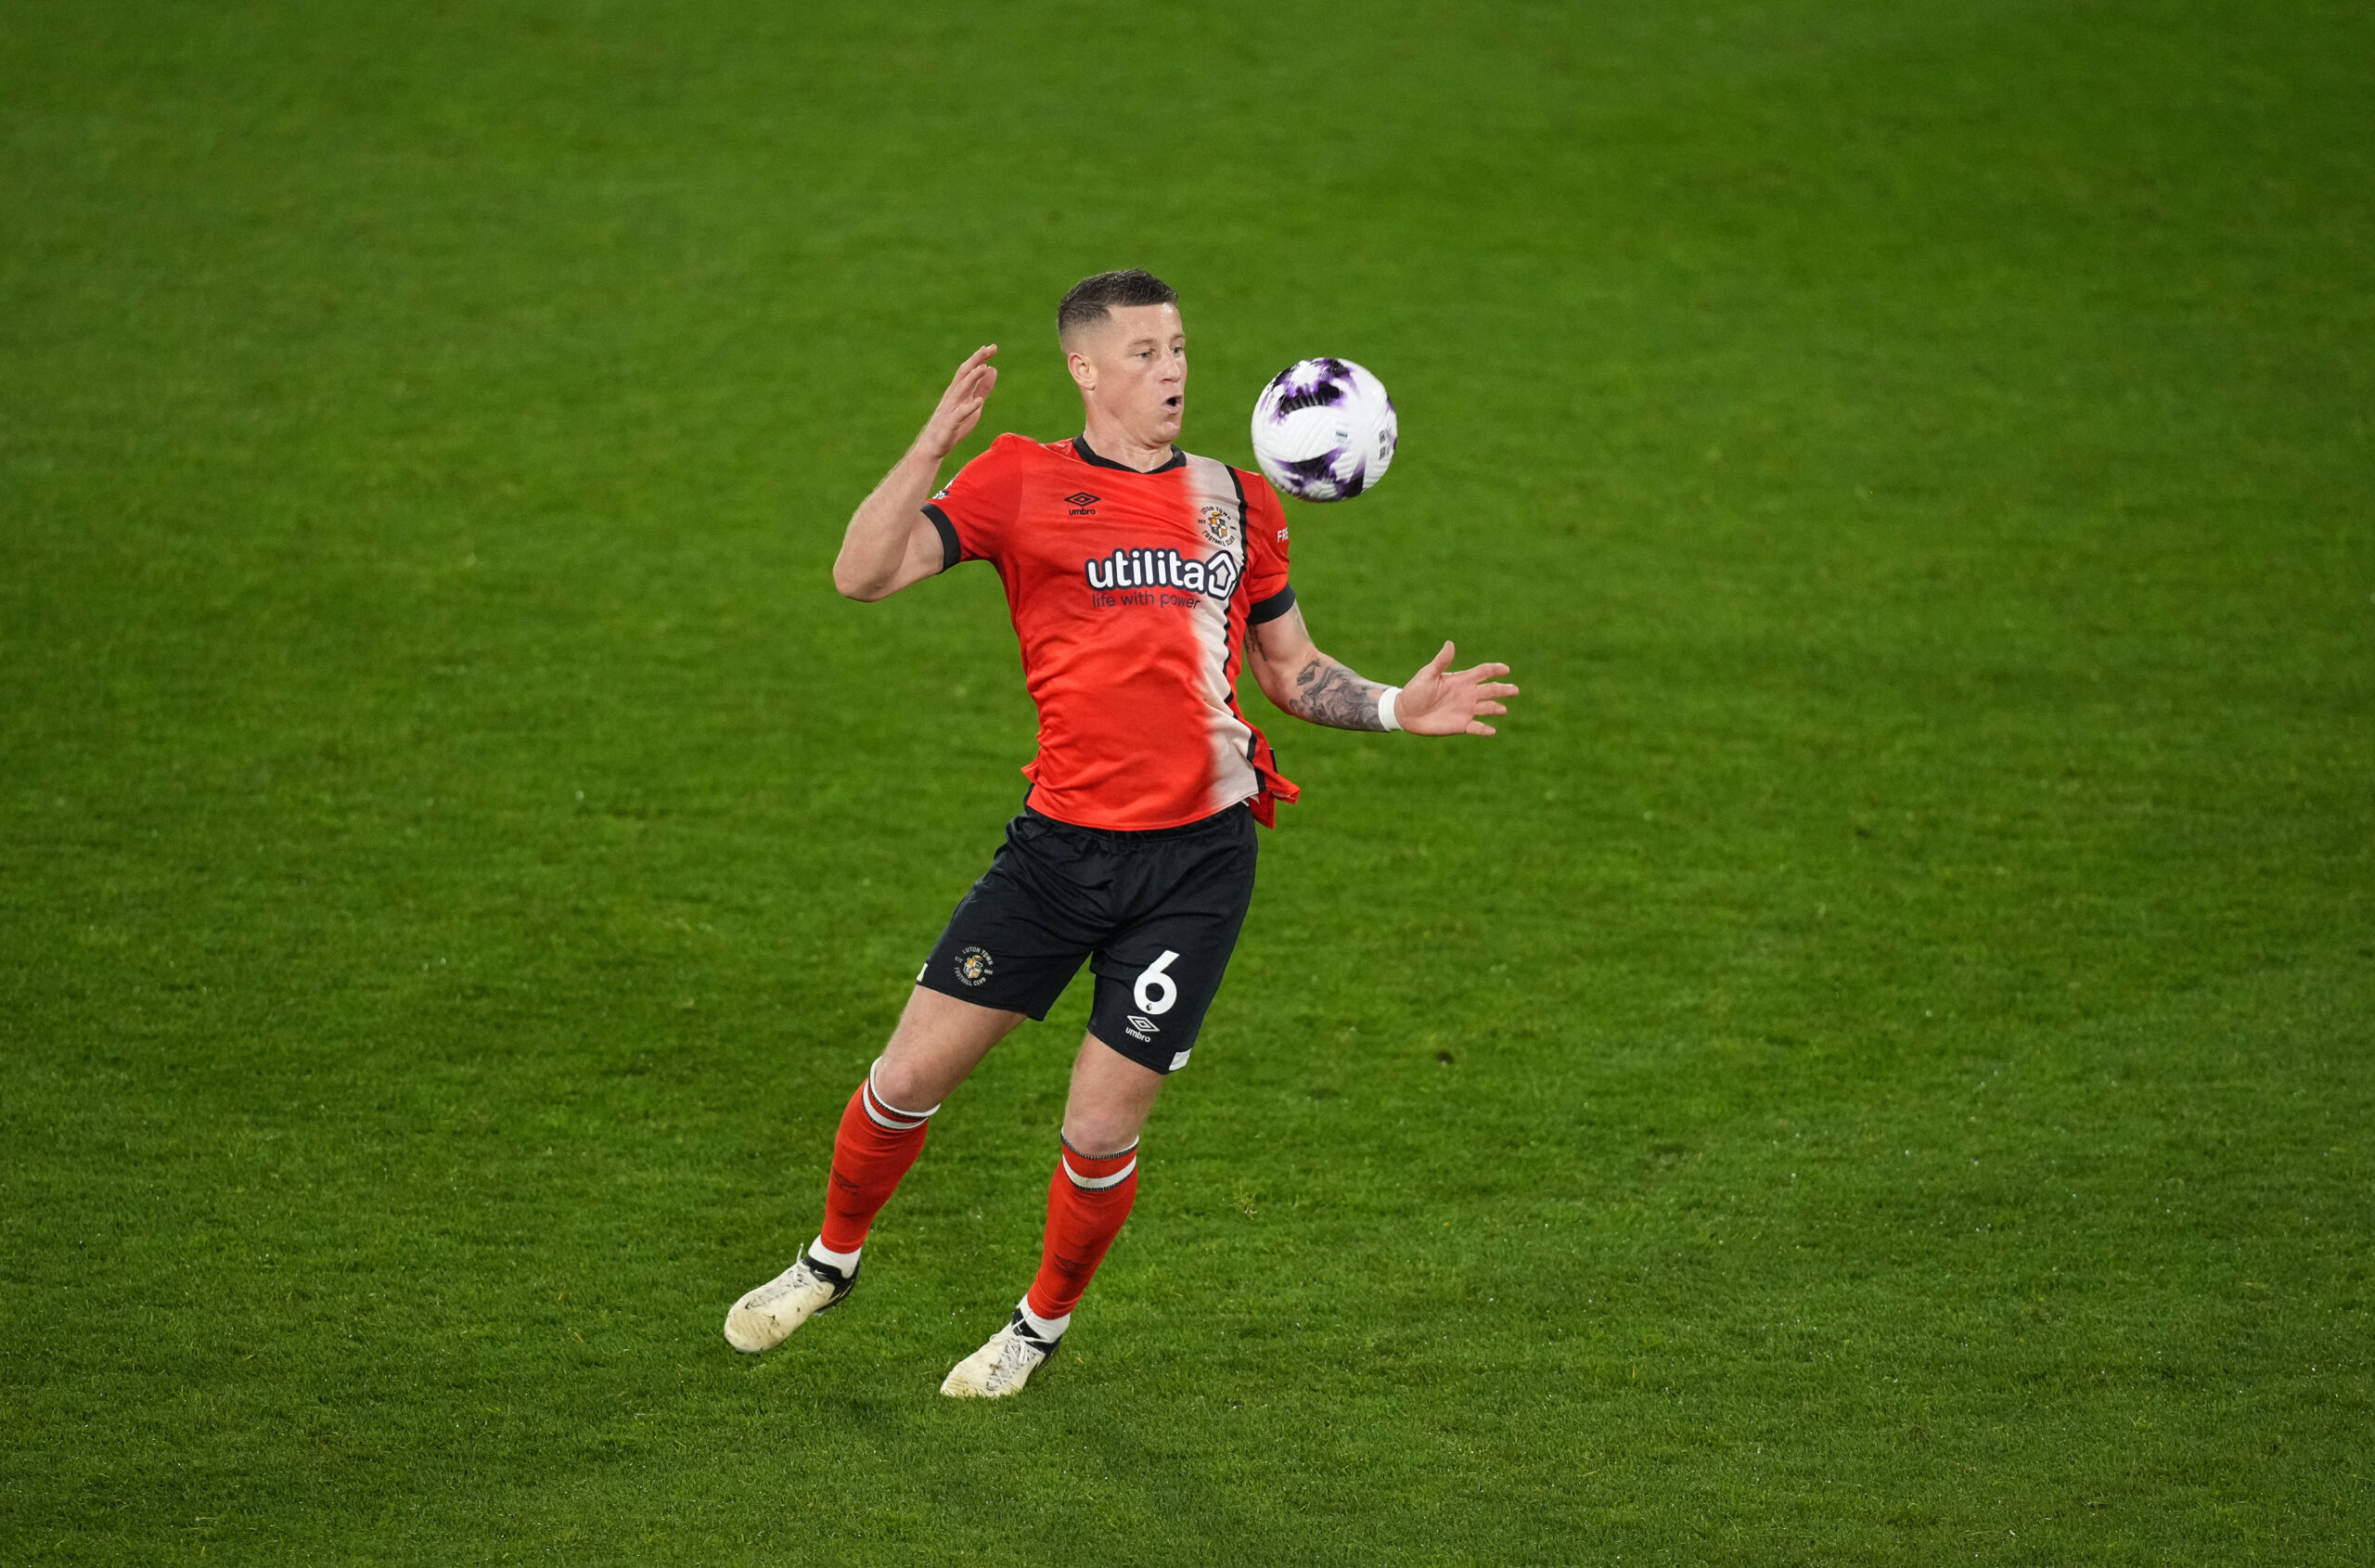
[(1323, 430)]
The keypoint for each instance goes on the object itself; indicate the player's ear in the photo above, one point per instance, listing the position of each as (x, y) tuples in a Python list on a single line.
[(1083, 370)]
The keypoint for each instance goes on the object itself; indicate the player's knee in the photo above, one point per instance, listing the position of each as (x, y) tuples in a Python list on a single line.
[(908, 1076), (1102, 1129), (1096, 1141), (906, 1085)]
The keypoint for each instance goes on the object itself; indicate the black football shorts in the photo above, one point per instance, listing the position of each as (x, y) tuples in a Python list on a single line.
[(1155, 914)]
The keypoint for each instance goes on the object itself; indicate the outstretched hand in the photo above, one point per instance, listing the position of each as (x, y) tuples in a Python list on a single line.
[(1442, 701), (960, 405)]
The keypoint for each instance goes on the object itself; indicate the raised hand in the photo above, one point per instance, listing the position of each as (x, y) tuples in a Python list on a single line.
[(1442, 701), (960, 405), (889, 544)]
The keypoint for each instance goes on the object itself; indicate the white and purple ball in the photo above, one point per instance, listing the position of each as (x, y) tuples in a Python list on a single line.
[(1323, 429)]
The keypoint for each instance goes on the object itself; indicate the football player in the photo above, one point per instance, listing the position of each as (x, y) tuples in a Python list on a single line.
[(1137, 574)]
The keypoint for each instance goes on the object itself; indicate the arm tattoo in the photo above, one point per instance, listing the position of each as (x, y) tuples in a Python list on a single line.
[(1326, 692)]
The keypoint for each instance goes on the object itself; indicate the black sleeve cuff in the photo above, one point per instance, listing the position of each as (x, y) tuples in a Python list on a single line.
[(950, 550), (1270, 608)]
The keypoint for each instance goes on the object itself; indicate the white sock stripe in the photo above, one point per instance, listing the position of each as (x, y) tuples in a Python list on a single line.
[(885, 1114), (889, 1123), (888, 1108), (1129, 1147), (1099, 1184)]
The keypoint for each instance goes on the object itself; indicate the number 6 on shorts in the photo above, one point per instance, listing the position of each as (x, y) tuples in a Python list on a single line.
[(1149, 980)]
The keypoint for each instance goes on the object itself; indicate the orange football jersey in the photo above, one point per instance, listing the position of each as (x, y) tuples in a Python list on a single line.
[(1131, 593)]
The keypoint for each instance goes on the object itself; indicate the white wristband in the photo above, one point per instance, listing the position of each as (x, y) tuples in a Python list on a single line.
[(1385, 708)]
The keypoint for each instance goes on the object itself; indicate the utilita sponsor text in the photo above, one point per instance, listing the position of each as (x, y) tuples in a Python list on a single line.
[(1163, 569)]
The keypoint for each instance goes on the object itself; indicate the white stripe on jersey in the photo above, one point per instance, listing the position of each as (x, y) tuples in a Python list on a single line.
[(1211, 486)]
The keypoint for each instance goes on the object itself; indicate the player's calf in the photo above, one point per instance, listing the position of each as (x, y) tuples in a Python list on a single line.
[(876, 1143), (1089, 1198)]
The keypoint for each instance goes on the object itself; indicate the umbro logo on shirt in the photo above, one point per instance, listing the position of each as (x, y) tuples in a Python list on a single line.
[(1082, 503)]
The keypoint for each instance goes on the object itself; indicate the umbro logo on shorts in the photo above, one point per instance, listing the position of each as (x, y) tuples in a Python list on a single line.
[(1143, 1027)]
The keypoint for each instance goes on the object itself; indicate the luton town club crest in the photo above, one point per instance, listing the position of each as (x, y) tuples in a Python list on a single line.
[(1219, 527), (974, 966)]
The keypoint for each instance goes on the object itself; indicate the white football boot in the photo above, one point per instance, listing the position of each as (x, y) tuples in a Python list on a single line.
[(1003, 1366), (766, 1318)]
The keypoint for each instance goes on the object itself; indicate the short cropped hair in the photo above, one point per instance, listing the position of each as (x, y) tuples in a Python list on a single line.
[(1089, 300)]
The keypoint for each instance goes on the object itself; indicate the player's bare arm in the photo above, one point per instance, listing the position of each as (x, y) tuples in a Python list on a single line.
[(1305, 682), (891, 543)]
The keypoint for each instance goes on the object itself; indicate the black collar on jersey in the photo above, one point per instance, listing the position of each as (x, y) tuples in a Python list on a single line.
[(1080, 445)]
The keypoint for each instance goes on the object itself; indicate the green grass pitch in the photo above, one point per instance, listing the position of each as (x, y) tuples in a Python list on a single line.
[(1874, 1065)]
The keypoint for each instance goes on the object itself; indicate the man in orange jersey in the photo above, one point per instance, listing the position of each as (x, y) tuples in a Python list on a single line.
[(1136, 573)]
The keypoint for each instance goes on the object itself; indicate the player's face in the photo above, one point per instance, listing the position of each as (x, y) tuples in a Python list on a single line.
[(1134, 371)]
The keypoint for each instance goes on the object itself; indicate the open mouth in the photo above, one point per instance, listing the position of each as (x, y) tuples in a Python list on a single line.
[(1171, 401)]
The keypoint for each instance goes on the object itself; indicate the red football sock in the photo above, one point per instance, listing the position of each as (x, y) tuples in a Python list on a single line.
[(1089, 1198), (876, 1145)]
